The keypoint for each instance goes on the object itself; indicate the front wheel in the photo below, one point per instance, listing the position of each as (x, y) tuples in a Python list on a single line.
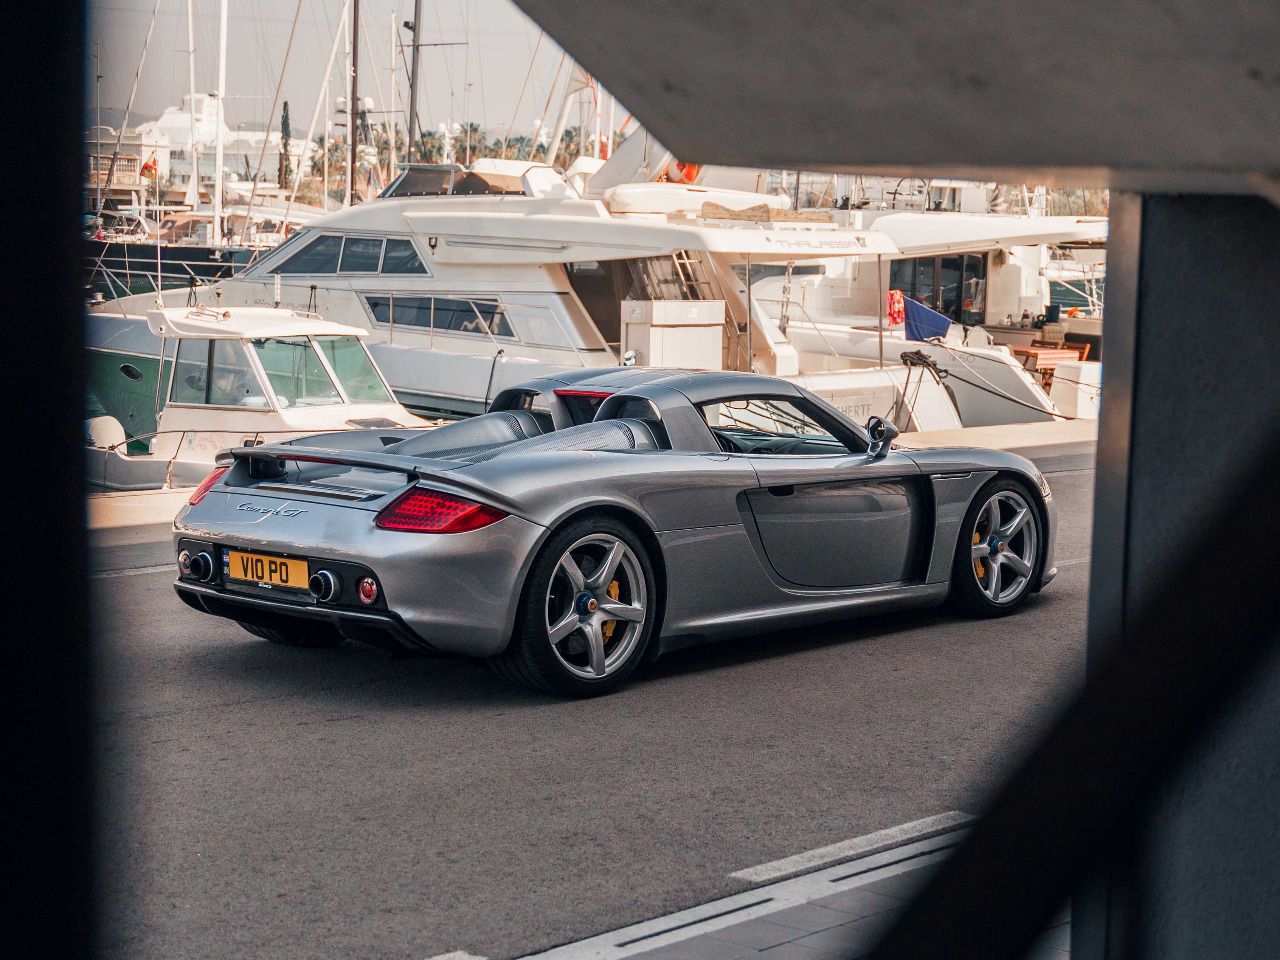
[(586, 614), (1000, 552)]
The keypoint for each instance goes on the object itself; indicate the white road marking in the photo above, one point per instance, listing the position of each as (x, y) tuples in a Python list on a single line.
[(757, 902), (858, 846), (134, 571), (456, 955)]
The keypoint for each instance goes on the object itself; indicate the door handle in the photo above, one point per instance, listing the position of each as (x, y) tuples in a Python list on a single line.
[(782, 491)]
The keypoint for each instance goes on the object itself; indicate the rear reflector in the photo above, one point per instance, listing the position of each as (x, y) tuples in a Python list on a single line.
[(430, 511), (206, 484)]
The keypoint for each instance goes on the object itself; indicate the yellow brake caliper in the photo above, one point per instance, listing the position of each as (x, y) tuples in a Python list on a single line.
[(609, 625), (978, 567)]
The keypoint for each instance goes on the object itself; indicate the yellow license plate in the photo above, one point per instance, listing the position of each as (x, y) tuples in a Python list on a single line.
[(267, 571)]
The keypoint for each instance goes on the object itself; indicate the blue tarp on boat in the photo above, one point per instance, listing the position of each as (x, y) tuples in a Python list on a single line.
[(923, 323)]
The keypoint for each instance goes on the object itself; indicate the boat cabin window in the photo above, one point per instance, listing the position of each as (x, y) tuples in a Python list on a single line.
[(294, 370), (360, 255), (215, 373), (772, 426), (680, 276), (318, 256), (329, 254), (759, 271), (452, 181), (445, 314), (401, 257), (356, 373), (954, 285)]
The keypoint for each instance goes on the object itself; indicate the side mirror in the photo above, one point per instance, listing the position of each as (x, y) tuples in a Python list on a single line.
[(882, 433)]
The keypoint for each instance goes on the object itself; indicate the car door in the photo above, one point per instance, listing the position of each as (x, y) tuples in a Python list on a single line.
[(824, 516), (842, 521)]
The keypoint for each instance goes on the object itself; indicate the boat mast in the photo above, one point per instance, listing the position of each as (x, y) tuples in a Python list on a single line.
[(191, 105), (414, 65), (322, 103), (324, 157), (220, 94), (391, 106), (128, 108), (353, 105), (97, 123)]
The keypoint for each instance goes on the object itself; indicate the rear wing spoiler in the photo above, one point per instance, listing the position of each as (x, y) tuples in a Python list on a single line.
[(415, 468), (440, 473)]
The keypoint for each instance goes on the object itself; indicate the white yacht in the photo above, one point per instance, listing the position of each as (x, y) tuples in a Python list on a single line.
[(171, 389), (470, 280)]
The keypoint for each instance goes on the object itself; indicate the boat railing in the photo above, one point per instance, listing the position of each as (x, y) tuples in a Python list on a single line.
[(241, 438), (788, 318)]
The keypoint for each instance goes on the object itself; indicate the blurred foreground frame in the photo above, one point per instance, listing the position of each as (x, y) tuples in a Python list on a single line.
[(1165, 764)]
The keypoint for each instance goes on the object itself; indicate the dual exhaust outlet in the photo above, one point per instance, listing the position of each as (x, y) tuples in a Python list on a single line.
[(324, 585)]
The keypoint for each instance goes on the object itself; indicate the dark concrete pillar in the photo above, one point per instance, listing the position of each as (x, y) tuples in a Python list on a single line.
[(1192, 380)]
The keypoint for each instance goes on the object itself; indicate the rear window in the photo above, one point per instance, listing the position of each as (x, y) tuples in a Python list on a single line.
[(636, 408), (581, 404)]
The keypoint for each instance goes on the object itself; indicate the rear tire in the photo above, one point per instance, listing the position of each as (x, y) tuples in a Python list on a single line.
[(1000, 552), (565, 642), (313, 636)]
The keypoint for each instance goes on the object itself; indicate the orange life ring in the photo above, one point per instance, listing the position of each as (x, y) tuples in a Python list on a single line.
[(680, 172)]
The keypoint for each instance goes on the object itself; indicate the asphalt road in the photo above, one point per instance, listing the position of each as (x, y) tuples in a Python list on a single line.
[(260, 801)]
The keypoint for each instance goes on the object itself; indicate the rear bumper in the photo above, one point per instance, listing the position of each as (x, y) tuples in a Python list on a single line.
[(455, 593), (378, 629)]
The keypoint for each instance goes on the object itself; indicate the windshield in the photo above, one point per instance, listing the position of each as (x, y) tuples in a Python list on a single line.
[(452, 181), (296, 375), (356, 373)]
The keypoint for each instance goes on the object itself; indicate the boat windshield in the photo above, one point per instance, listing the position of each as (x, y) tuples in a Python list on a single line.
[(452, 181), (297, 376), (356, 372)]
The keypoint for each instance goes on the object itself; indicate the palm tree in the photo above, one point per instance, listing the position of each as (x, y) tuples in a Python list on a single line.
[(520, 148), (428, 149), (337, 165), (569, 148), (382, 139), (470, 142)]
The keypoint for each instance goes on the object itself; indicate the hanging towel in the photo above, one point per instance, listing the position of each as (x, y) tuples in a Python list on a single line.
[(923, 323)]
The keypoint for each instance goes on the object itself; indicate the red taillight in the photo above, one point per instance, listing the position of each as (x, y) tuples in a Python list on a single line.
[(206, 484), (590, 394), (430, 511)]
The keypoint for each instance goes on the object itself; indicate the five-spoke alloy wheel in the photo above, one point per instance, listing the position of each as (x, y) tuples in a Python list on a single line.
[(1000, 553), (586, 613)]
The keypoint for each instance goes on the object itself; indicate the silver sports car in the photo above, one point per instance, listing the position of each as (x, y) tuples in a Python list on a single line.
[(591, 521)]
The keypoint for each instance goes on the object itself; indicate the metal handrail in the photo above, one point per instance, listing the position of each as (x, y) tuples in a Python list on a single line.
[(115, 447), (810, 321)]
